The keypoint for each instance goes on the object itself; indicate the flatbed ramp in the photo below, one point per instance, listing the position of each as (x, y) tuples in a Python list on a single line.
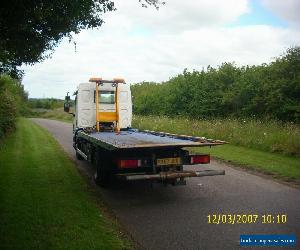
[(132, 139)]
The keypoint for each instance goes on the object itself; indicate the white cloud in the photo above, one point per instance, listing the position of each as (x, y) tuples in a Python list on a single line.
[(178, 15), (288, 9), (137, 46)]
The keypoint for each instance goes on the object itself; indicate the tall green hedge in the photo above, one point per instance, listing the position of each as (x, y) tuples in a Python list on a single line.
[(12, 103), (268, 90)]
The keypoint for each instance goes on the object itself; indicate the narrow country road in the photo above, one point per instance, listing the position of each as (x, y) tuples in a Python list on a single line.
[(176, 217)]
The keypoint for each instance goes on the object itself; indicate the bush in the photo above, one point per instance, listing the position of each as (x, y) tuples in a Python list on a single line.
[(12, 103), (264, 91)]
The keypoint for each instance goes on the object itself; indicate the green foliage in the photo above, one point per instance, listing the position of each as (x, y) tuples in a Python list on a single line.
[(280, 166), (54, 114), (264, 91), (268, 135), (45, 204), (45, 103), (12, 103), (30, 30), (267, 146)]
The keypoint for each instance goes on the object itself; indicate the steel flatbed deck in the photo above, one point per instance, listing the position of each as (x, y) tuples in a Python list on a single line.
[(135, 139)]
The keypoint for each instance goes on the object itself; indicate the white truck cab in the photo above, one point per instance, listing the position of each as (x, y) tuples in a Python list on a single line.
[(109, 104)]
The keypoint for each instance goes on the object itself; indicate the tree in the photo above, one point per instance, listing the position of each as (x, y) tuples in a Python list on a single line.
[(268, 90), (13, 99), (31, 29)]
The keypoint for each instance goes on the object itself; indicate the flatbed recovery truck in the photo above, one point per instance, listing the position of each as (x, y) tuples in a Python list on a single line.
[(102, 135)]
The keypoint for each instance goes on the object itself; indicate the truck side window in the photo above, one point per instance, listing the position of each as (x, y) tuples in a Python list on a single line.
[(105, 97)]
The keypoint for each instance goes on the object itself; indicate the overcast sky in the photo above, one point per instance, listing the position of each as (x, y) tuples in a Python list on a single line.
[(143, 44)]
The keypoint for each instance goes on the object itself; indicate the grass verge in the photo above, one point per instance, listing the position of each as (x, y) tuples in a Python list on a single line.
[(44, 203), (269, 136), (282, 166), (54, 114)]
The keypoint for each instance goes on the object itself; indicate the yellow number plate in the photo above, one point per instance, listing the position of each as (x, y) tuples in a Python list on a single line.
[(168, 161)]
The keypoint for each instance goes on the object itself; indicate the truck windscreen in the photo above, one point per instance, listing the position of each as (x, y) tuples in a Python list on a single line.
[(106, 97)]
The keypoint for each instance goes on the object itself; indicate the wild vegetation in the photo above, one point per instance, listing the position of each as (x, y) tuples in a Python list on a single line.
[(54, 114), (254, 144), (267, 91), (45, 103), (280, 166), (44, 202), (255, 108), (13, 99), (269, 136)]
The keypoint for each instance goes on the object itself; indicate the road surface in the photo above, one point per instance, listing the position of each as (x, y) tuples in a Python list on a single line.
[(170, 217)]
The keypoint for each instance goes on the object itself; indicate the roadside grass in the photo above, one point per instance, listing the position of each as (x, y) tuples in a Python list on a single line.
[(269, 136), (249, 146), (44, 203), (55, 114), (280, 166)]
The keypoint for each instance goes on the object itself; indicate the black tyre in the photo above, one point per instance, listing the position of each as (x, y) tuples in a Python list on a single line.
[(102, 174)]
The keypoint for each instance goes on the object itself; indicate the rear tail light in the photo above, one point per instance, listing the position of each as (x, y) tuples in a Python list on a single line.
[(200, 159), (128, 163)]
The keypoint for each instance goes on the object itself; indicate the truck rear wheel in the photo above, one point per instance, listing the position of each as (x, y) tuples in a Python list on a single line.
[(102, 174)]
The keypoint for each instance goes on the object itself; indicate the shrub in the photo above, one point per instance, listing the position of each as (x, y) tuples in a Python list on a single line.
[(12, 103)]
